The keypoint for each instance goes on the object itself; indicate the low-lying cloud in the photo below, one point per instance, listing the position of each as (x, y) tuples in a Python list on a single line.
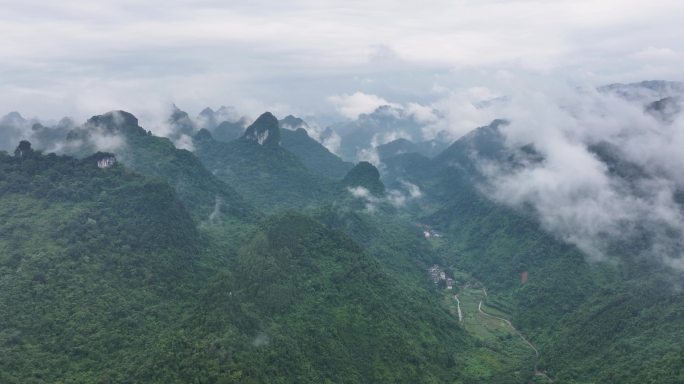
[(612, 173), (396, 198), (352, 106)]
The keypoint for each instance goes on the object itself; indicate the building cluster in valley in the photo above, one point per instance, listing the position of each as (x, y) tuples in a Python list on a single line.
[(438, 274)]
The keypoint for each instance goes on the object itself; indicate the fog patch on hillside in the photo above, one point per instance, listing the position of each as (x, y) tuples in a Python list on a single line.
[(611, 173)]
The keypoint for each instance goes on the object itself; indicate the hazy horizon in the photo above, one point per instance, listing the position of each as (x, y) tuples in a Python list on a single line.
[(330, 59)]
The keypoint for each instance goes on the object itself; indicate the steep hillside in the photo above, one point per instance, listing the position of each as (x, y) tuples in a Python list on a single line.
[(383, 125), (626, 333), (313, 154), (428, 148), (229, 131), (566, 304), (323, 311), (93, 263), (266, 174), (105, 278), (364, 175), (207, 198)]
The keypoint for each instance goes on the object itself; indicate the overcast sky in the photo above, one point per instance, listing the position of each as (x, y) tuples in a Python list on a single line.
[(82, 57)]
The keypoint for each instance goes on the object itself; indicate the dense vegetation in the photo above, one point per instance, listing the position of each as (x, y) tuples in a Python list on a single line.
[(313, 154), (594, 322), (228, 131), (365, 175), (93, 263), (154, 268), (319, 309), (268, 176), (157, 157), (106, 278)]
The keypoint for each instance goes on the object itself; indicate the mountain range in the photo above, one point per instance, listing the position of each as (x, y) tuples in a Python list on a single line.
[(236, 252)]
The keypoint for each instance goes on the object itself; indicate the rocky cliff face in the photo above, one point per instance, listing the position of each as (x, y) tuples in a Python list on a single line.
[(265, 131)]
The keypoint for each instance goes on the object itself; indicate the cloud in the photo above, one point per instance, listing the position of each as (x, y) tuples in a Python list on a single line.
[(422, 113), (399, 197), (461, 111), (52, 137), (363, 194), (351, 106), (94, 139), (394, 197), (413, 190), (105, 142), (216, 212), (261, 339), (80, 58), (610, 174), (209, 119), (653, 53), (331, 141), (327, 137), (184, 142), (444, 120), (13, 128), (444, 62), (369, 154)]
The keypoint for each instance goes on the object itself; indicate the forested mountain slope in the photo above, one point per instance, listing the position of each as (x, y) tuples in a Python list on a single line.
[(319, 309), (313, 154), (106, 277), (266, 174), (201, 192), (567, 304), (94, 263)]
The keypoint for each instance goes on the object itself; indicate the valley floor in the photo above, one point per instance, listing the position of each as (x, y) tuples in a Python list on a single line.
[(504, 351)]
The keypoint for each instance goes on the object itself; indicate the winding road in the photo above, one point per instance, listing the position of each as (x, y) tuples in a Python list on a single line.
[(537, 372)]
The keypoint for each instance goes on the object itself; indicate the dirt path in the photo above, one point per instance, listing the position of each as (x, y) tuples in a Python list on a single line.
[(537, 372), (458, 306)]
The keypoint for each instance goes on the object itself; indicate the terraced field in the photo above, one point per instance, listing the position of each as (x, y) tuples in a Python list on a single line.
[(504, 356)]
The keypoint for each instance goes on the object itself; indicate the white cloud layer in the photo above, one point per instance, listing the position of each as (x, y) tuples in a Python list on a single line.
[(394, 197), (81, 58), (580, 196), (351, 106)]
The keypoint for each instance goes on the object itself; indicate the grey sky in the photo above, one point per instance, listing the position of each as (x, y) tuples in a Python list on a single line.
[(81, 58)]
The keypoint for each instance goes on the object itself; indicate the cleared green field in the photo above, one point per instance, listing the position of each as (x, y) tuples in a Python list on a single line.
[(502, 357)]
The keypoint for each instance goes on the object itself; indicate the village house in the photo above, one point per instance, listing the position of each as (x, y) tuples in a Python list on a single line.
[(106, 162), (435, 273), (438, 274)]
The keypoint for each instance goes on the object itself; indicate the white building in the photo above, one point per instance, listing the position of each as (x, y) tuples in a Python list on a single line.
[(106, 162)]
